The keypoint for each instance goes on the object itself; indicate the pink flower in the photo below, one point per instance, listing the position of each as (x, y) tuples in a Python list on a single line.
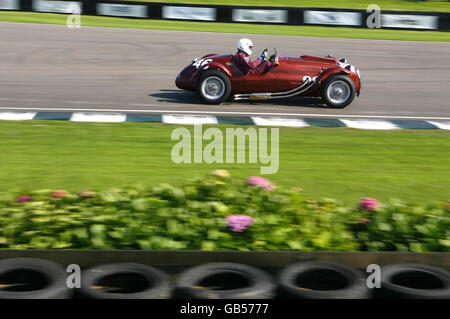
[(370, 204), (23, 199), (59, 194), (261, 182), (238, 223)]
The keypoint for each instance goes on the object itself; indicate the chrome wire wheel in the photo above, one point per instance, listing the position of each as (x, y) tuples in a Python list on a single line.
[(338, 92), (213, 88)]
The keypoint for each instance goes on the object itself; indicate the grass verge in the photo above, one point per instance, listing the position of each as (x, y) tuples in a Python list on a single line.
[(341, 163), (310, 31)]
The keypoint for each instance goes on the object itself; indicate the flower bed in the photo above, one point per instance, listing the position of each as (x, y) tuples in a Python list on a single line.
[(217, 213)]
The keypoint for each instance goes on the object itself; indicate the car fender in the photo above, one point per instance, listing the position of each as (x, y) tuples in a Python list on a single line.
[(208, 55), (214, 66), (332, 71)]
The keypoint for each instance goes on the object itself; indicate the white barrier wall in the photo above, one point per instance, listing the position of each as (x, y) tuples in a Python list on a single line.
[(439, 21), (268, 16), (9, 5), (122, 10), (57, 6), (189, 13), (409, 21), (332, 18)]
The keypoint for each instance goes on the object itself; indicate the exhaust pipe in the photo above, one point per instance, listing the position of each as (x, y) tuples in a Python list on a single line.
[(278, 95)]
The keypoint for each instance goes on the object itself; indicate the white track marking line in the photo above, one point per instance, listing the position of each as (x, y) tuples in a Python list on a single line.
[(17, 116), (224, 113), (441, 125), (186, 119), (370, 124), (62, 102), (96, 117), (278, 121), (88, 102), (21, 100)]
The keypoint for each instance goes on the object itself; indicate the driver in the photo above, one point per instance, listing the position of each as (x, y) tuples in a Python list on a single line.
[(242, 61)]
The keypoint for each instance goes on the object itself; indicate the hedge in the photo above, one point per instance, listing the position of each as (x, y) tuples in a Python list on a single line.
[(217, 212)]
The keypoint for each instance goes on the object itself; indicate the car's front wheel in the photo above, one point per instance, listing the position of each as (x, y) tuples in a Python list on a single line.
[(214, 87), (338, 91)]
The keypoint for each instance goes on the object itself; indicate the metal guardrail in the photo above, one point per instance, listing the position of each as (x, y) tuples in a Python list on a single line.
[(406, 20)]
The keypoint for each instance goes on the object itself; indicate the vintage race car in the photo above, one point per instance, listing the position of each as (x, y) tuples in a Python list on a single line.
[(216, 79)]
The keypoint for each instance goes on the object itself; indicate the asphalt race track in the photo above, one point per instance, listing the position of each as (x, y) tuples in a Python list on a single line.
[(49, 67)]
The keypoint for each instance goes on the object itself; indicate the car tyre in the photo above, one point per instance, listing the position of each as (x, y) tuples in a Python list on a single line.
[(214, 87), (321, 280), (32, 278), (124, 281), (224, 281), (338, 91), (412, 281)]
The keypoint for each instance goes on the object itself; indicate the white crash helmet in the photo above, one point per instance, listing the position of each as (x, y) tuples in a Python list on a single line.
[(245, 45)]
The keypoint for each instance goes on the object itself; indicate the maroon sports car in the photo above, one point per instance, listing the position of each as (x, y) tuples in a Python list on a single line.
[(216, 79)]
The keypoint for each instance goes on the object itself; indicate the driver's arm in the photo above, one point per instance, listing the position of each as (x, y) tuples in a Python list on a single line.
[(257, 62), (254, 64)]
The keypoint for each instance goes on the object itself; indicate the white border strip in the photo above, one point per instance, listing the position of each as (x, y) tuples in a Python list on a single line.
[(278, 121), (366, 124), (17, 116), (445, 125), (98, 117), (370, 124), (189, 119), (225, 113)]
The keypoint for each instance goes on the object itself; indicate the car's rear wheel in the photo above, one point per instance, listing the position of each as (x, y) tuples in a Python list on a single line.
[(214, 87), (338, 91)]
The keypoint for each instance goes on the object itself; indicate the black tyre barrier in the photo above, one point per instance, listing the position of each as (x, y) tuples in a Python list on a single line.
[(411, 281), (35, 278), (124, 281), (31, 278), (321, 280), (224, 281)]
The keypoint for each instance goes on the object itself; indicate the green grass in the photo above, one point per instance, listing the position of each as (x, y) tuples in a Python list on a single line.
[(333, 32), (411, 5), (339, 163)]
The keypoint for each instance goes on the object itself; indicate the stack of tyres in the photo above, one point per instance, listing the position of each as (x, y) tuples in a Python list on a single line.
[(325, 280), (225, 281), (411, 281), (322, 280), (124, 281), (30, 278)]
